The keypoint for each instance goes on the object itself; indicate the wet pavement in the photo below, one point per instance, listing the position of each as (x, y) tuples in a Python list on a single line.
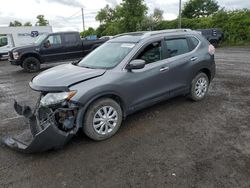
[(177, 143)]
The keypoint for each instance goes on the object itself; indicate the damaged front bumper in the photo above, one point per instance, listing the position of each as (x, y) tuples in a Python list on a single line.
[(44, 133)]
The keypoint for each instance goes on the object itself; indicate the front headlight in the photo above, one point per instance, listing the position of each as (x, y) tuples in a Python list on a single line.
[(55, 98), (15, 55)]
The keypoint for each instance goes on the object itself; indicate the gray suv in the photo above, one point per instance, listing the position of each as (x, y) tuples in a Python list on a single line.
[(129, 72)]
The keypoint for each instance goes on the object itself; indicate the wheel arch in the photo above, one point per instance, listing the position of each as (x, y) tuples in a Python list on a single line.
[(24, 56), (207, 72), (111, 95), (214, 42)]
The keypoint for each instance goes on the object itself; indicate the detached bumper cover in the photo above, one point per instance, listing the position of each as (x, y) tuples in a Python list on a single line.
[(41, 136)]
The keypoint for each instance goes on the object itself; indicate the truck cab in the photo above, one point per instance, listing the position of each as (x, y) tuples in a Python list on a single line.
[(213, 35), (61, 46), (6, 44), (48, 48)]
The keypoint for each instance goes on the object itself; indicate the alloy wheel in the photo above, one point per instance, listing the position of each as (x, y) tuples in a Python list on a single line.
[(201, 87)]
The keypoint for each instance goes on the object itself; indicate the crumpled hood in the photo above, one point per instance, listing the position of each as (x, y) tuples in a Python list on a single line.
[(61, 77)]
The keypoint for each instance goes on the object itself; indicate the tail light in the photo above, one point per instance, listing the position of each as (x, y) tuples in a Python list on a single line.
[(211, 49)]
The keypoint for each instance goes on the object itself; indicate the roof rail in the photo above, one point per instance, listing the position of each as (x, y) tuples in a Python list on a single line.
[(152, 33), (138, 33), (146, 34)]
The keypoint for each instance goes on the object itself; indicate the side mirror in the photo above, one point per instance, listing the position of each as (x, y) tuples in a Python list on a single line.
[(136, 64)]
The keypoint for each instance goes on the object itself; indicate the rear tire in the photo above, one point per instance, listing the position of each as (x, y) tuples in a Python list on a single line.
[(103, 119), (31, 64), (199, 87)]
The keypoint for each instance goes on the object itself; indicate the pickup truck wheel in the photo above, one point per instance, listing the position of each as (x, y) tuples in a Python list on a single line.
[(103, 119), (199, 87), (31, 64), (214, 43)]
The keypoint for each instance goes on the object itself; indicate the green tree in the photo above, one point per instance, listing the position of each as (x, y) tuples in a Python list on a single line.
[(100, 30), (15, 24), (27, 24), (158, 15), (41, 21), (132, 14), (112, 29), (110, 19), (152, 21), (199, 8), (105, 15), (89, 31), (148, 23), (235, 24), (126, 17)]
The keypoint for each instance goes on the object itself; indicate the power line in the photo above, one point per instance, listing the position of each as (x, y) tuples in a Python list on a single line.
[(91, 9), (74, 14), (83, 16)]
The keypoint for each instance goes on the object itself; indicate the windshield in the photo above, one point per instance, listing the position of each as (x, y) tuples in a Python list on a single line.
[(107, 55), (41, 38), (3, 41)]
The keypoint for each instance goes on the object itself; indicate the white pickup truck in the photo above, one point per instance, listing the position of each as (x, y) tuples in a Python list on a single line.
[(11, 37)]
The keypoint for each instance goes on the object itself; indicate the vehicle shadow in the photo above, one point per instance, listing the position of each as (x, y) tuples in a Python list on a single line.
[(80, 140), (135, 126), (18, 70)]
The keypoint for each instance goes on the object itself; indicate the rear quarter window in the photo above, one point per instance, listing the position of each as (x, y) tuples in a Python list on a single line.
[(177, 46), (193, 43)]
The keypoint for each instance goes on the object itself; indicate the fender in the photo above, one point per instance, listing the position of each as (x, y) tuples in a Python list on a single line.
[(31, 54), (92, 98)]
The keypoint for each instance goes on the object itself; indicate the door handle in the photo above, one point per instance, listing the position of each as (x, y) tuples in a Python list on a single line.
[(193, 58), (164, 69)]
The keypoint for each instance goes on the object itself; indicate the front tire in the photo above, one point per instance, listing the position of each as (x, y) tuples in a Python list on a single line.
[(214, 43), (199, 87), (103, 119), (31, 64)]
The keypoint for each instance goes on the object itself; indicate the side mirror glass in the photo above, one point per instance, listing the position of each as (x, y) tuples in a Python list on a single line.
[(136, 64)]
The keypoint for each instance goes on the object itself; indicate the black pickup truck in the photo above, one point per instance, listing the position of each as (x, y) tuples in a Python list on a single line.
[(213, 35), (52, 47)]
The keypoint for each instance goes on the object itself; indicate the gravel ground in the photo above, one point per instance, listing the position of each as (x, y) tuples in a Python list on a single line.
[(177, 143)]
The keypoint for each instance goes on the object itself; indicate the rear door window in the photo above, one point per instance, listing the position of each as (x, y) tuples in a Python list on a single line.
[(177, 46), (71, 39)]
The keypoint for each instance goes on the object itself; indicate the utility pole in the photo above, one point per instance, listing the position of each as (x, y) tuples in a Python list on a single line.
[(83, 24), (180, 14)]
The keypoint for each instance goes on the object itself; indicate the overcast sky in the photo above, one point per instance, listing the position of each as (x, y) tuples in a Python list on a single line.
[(65, 15)]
